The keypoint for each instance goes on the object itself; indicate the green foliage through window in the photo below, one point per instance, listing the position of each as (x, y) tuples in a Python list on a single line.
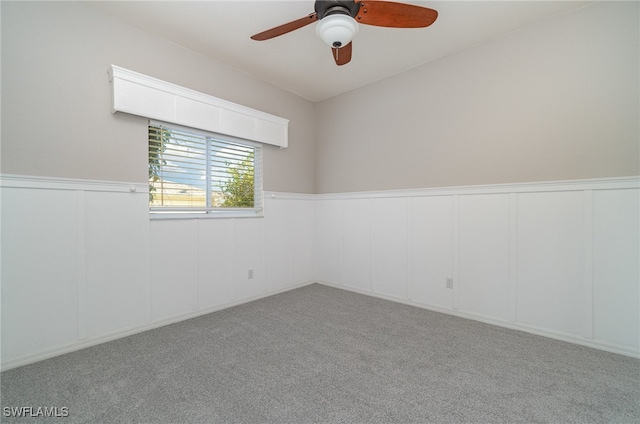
[(239, 188), (158, 137)]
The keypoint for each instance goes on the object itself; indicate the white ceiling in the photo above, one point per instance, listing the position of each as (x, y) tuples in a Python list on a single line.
[(300, 62)]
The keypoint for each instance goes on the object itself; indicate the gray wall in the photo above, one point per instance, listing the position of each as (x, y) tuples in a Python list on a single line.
[(554, 101), (557, 100), (56, 118)]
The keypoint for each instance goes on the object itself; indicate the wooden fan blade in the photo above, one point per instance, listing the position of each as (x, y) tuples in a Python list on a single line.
[(395, 15), (288, 27), (342, 56)]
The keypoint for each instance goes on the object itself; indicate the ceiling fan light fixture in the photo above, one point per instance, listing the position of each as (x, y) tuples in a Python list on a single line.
[(337, 30)]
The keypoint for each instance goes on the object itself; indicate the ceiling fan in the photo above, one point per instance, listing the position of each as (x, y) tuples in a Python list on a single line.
[(338, 22)]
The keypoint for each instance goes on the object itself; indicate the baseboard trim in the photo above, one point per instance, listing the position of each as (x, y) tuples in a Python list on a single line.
[(90, 342), (569, 338)]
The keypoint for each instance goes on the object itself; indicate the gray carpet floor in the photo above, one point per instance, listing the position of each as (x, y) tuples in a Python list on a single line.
[(324, 355)]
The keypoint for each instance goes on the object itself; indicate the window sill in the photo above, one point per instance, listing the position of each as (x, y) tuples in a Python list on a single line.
[(252, 213)]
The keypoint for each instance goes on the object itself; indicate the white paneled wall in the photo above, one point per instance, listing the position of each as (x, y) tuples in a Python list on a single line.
[(250, 255), (356, 254), (431, 247), (558, 259), (483, 266), (302, 236), (328, 236), (115, 273), (40, 271), (616, 292), (174, 271), (550, 252), (389, 239), (279, 244), (215, 276), (82, 263)]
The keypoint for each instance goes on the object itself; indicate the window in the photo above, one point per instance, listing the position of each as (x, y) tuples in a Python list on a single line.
[(195, 173)]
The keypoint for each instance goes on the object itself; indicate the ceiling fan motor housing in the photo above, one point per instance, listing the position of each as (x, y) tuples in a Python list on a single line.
[(329, 7)]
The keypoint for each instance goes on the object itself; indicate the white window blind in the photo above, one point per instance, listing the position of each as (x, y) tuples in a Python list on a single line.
[(196, 172)]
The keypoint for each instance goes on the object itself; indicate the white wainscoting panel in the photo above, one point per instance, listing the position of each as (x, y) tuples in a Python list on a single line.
[(390, 248), (616, 266), (302, 243), (329, 240), (82, 263), (279, 252), (250, 255), (174, 286), (39, 270), (483, 281), (559, 259), (116, 240), (550, 260), (215, 262), (356, 260), (431, 246)]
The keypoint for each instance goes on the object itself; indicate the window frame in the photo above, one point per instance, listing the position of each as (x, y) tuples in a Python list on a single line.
[(168, 212)]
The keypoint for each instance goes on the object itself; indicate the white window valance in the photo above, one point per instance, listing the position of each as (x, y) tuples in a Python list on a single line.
[(152, 98)]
